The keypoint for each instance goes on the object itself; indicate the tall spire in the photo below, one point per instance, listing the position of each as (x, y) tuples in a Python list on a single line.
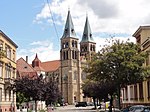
[(69, 27), (87, 34)]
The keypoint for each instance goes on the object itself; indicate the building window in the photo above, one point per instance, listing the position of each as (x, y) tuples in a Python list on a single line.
[(131, 93), (73, 55), (76, 44), (91, 47), (0, 94), (135, 92), (1, 69), (72, 43), (141, 90), (123, 93), (14, 73), (7, 71), (5, 95), (148, 86), (126, 93), (9, 95), (1, 45), (14, 55), (64, 55), (67, 45)]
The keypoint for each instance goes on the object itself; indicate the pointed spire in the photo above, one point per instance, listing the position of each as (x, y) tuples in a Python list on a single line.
[(36, 57), (87, 34), (36, 62), (69, 27)]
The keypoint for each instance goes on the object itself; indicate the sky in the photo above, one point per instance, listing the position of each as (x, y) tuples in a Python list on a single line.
[(36, 26)]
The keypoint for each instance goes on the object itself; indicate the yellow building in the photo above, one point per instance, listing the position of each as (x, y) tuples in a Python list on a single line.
[(7, 73), (139, 93)]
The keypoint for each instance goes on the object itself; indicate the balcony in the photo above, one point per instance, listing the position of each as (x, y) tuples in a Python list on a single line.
[(8, 82)]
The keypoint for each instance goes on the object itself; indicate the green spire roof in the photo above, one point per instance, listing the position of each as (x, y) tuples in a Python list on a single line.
[(69, 27), (87, 34)]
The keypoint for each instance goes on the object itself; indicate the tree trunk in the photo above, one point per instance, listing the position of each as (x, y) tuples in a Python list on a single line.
[(111, 103), (27, 106), (119, 104), (35, 106), (94, 102)]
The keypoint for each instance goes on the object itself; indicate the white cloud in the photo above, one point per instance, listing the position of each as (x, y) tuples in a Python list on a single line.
[(44, 49), (101, 42), (115, 16), (106, 17)]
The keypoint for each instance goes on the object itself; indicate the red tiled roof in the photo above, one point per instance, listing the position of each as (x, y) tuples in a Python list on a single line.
[(50, 66), (23, 68)]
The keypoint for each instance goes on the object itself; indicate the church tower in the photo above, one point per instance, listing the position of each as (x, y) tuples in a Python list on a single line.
[(87, 44), (70, 63)]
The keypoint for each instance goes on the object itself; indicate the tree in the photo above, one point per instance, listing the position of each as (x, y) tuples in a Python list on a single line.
[(120, 63), (37, 89), (20, 99), (51, 92)]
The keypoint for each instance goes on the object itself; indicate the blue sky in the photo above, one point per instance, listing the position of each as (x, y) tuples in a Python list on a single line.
[(29, 22)]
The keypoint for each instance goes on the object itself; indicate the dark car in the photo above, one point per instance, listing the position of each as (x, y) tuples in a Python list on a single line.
[(146, 109), (137, 108), (81, 104), (126, 109)]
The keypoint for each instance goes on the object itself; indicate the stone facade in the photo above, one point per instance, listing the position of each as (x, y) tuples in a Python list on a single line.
[(73, 60), (7, 73), (139, 93)]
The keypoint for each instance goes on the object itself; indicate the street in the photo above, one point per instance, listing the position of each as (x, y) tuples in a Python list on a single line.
[(72, 108)]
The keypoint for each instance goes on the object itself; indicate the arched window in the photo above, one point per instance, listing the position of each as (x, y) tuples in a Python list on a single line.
[(90, 35), (85, 48), (63, 45), (91, 47), (67, 45), (76, 44), (66, 30), (66, 54), (75, 54), (72, 43), (72, 30), (72, 54)]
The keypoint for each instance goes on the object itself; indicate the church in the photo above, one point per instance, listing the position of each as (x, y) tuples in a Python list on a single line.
[(68, 71)]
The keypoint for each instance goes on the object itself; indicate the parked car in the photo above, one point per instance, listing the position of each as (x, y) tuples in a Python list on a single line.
[(81, 104), (126, 109), (147, 109), (137, 108)]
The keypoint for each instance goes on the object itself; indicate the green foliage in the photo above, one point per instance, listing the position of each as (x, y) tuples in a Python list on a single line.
[(20, 98), (37, 89), (119, 64)]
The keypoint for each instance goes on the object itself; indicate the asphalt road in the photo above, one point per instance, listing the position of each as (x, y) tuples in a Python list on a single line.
[(72, 108)]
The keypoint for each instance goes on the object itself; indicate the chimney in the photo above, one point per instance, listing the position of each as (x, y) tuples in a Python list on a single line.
[(27, 59)]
